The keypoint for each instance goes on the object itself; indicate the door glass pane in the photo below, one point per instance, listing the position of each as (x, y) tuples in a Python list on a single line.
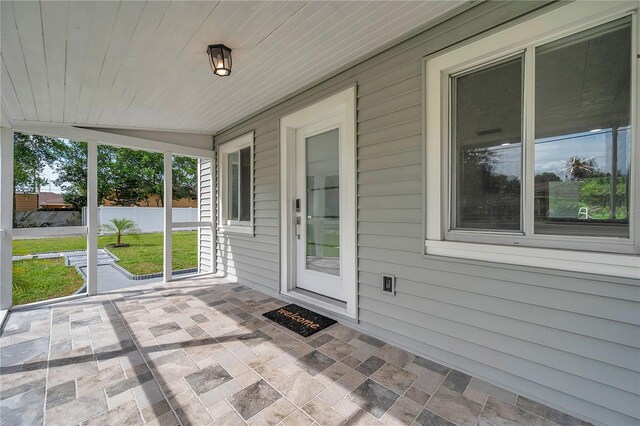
[(245, 184), (323, 202), (487, 147), (583, 133), (233, 186)]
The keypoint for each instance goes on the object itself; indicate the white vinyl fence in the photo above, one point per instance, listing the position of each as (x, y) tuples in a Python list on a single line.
[(148, 219)]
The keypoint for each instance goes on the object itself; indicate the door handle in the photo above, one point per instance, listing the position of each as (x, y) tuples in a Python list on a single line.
[(298, 221)]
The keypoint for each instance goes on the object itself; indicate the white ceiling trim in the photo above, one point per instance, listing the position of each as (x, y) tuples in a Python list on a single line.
[(191, 148)]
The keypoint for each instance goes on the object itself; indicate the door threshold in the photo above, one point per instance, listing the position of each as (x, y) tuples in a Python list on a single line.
[(339, 304), (322, 303)]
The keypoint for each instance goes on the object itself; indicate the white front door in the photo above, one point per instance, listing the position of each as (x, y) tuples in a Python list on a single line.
[(318, 204), (319, 199)]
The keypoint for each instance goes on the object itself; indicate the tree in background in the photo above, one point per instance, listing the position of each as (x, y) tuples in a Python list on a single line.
[(126, 177), (151, 176), (484, 193), (31, 154), (185, 178), (605, 197), (578, 168), (123, 174), (547, 177), (595, 193), (71, 168)]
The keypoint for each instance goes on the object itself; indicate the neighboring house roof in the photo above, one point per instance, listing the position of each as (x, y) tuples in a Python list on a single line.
[(50, 199)]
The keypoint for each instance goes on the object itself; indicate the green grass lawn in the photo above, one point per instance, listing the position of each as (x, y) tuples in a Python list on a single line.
[(143, 256), (42, 279), (47, 245)]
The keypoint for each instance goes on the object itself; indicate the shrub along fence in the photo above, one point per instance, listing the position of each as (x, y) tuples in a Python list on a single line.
[(48, 218)]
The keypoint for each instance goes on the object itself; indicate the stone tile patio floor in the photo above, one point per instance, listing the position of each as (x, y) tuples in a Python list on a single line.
[(199, 352)]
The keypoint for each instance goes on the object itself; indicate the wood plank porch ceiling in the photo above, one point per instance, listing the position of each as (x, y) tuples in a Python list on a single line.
[(136, 64)]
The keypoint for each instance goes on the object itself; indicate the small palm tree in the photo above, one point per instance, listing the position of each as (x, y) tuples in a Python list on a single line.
[(121, 227)]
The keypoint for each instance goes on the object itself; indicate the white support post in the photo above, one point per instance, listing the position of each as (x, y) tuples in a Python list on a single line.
[(6, 216), (199, 213), (168, 219), (92, 218), (213, 206)]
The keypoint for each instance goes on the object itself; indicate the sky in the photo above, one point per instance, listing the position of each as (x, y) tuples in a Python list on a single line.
[(551, 154), (50, 175)]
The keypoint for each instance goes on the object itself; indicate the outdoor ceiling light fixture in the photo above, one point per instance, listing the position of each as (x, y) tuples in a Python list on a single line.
[(220, 59)]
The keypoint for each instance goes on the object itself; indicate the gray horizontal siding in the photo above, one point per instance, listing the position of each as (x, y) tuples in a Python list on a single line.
[(492, 365), (567, 339), (569, 370), (206, 209), (555, 322), (253, 260), (600, 357)]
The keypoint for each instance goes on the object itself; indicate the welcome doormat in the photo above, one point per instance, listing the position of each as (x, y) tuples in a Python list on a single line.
[(298, 319)]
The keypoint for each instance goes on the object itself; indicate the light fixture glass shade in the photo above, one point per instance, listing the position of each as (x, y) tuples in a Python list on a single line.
[(220, 59)]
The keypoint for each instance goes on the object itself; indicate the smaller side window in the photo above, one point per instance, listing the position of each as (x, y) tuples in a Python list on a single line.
[(235, 201)]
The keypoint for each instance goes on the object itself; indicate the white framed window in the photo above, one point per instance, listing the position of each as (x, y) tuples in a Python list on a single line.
[(235, 183), (531, 142)]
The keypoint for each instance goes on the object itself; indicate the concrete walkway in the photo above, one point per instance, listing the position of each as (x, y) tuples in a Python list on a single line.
[(109, 278), (79, 259)]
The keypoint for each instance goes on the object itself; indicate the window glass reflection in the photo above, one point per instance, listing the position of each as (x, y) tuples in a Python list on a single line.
[(487, 147), (583, 133)]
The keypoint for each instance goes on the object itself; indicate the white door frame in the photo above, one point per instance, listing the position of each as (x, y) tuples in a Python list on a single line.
[(342, 106)]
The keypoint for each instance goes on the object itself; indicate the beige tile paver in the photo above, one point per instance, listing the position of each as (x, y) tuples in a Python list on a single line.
[(150, 353)]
